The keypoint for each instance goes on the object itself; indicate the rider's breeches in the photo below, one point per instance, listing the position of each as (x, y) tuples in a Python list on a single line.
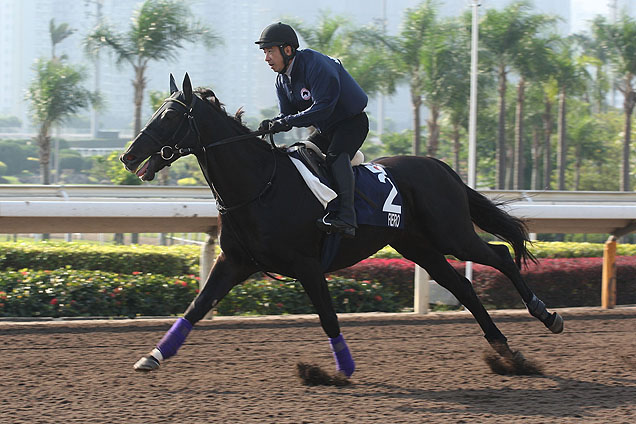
[(345, 137)]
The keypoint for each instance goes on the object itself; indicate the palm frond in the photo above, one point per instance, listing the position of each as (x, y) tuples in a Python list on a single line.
[(104, 36)]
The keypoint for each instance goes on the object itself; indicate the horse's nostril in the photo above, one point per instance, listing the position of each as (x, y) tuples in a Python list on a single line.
[(129, 157)]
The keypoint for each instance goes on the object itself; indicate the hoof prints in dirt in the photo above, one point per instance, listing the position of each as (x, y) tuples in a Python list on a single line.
[(313, 375), (517, 365)]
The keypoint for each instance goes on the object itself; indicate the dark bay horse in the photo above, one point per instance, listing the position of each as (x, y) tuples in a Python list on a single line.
[(268, 218)]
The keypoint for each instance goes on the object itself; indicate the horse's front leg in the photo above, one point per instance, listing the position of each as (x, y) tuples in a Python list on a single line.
[(316, 288), (225, 274)]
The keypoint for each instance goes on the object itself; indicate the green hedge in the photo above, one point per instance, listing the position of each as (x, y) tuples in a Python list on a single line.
[(173, 260), (556, 249), (88, 280), (184, 259), (69, 293)]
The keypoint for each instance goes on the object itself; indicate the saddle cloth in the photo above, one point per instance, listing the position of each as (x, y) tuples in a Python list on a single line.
[(377, 200)]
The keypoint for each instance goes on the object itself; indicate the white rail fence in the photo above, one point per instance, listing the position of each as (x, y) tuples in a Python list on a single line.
[(127, 209)]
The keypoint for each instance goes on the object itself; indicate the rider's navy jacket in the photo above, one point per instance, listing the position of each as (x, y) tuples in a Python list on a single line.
[(321, 93)]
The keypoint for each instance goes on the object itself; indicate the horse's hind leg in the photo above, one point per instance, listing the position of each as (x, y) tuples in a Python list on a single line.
[(444, 274), (498, 257), (224, 275)]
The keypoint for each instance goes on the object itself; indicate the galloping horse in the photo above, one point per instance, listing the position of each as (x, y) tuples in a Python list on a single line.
[(268, 218)]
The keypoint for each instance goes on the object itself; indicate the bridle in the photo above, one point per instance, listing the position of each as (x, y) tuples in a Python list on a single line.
[(172, 151), (167, 152)]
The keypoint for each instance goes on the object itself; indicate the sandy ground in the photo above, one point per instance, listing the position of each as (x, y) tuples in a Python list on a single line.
[(411, 368)]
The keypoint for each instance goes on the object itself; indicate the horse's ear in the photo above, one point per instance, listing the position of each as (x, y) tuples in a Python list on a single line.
[(173, 85), (187, 89)]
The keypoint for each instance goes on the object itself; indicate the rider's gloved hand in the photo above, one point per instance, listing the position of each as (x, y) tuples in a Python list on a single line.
[(264, 125), (279, 125)]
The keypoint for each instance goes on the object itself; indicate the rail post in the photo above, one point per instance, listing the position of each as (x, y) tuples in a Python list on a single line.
[(608, 282), (422, 290)]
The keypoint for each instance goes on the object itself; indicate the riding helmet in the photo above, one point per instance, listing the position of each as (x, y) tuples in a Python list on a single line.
[(278, 34)]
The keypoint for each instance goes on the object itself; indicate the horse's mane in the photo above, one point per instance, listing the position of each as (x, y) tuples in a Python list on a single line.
[(208, 95)]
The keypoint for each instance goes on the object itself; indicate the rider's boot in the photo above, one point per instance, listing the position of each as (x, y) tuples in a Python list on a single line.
[(344, 219)]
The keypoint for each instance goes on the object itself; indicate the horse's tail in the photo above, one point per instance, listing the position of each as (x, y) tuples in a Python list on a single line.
[(490, 217)]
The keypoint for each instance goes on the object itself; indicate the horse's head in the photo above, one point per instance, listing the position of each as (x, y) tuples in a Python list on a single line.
[(170, 129)]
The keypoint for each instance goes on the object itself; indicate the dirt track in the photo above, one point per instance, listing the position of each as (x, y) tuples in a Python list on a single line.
[(410, 369)]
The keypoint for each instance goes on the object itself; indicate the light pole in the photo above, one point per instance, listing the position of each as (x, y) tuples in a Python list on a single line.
[(380, 128), (472, 119)]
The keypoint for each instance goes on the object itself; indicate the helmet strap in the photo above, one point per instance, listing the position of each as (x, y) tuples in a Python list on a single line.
[(286, 58)]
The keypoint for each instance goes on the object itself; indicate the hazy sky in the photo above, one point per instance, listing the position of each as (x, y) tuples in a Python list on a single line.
[(584, 10), (258, 94)]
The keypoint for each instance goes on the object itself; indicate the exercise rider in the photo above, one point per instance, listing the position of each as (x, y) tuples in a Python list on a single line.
[(315, 90)]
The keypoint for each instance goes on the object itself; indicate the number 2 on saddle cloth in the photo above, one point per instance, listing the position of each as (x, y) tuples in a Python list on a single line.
[(377, 201)]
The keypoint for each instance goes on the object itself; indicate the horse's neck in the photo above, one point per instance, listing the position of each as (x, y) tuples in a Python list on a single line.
[(238, 171)]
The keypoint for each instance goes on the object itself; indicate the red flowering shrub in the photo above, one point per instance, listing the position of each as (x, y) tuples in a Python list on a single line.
[(396, 275), (67, 292), (559, 282)]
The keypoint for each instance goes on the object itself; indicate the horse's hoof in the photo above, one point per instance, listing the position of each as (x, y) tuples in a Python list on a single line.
[(557, 325), (147, 363)]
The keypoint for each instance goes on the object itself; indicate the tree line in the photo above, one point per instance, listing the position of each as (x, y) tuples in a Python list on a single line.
[(546, 114), (546, 119)]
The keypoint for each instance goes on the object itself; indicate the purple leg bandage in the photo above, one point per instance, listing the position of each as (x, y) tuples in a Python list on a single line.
[(344, 361), (174, 338)]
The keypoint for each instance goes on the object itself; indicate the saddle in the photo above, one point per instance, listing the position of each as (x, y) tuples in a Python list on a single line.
[(315, 162), (315, 159)]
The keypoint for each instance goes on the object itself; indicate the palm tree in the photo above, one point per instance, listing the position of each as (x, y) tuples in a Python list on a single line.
[(56, 93), (586, 140), (620, 40), (550, 90), (570, 77), (500, 35), (534, 119), (356, 47), (326, 36), (458, 93), (445, 65), (595, 55), (407, 51), (58, 34), (158, 32), (404, 53), (455, 80), (528, 61)]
